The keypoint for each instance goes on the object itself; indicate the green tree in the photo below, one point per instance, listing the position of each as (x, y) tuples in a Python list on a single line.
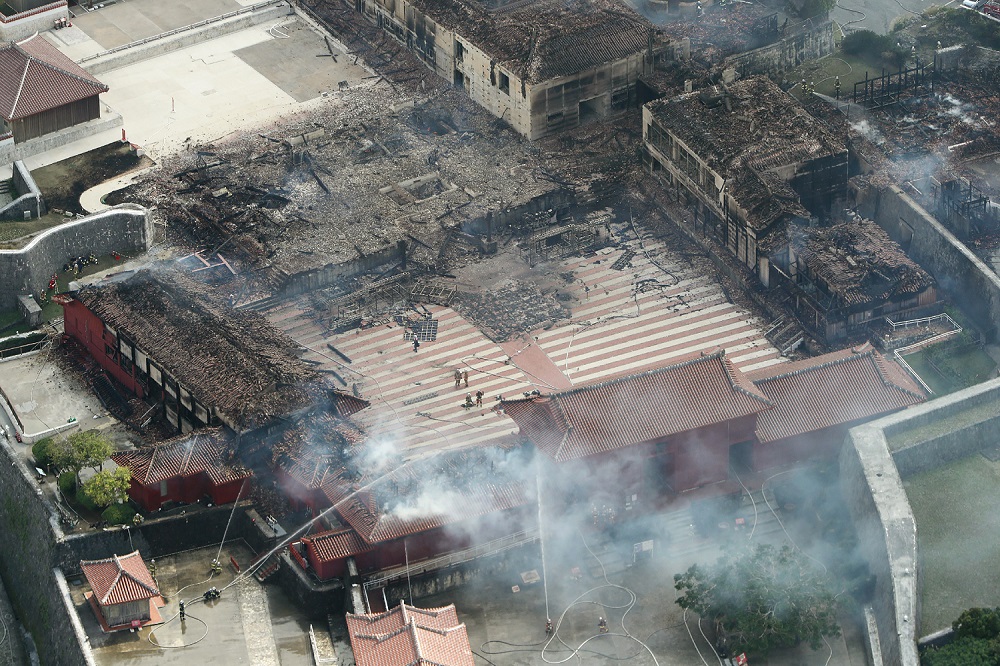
[(978, 623), (761, 599), (967, 651), (108, 487), (40, 452), (79, 450)]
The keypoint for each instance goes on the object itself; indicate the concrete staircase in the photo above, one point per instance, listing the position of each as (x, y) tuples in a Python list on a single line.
[(7, 192), (786, 334)]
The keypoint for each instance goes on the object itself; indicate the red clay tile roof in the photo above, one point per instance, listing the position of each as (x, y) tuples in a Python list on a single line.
[(441, 489), (697, 392), (185, 456), (119, 579), (36, 77), (410, 636), (830, 390), (334, 545)]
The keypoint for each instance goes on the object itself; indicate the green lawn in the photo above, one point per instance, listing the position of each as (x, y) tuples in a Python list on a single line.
[(958, 539), (951, 366)]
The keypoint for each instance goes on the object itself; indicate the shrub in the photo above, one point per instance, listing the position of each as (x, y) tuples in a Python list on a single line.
[(118, 514), (84, 500), (866, 44), (67, 484), (40, 452)]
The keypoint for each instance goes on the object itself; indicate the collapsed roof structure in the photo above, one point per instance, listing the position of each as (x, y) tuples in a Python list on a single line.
[(848, 275), (751, 157), (540, 66), (158, 338)]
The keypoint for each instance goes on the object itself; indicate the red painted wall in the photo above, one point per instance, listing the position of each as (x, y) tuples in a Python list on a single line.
[(88, 329), (183, 489), (425, 545), (819, 445)]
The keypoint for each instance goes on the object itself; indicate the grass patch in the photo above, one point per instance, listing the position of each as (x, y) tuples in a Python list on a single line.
[(957, 511), (952, 365), (823, 73), (12, 323), (62, 183), (17, 233)]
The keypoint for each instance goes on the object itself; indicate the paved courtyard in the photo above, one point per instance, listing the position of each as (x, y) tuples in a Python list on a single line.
[(248, 624), (131, 20), (637, 598)]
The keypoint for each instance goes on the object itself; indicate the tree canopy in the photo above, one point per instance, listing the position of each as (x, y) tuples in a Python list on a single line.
[(976, 641), (81, 449), (108, 487), (761, 599)]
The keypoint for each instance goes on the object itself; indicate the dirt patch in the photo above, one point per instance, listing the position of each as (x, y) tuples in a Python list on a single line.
[(62, 183)]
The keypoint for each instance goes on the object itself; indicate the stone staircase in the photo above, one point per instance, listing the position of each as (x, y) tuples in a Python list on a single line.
[(269, 568), (7, 192), (786, 334)]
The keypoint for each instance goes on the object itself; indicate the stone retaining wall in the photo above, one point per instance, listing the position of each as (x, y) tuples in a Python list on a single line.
[(941, 430), (125, 228)]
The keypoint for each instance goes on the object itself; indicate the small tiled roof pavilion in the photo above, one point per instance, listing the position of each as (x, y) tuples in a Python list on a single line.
[(410, 636), (42, 90), (124, 595)]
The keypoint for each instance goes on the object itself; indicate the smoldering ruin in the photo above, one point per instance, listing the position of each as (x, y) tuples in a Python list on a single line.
[(558, 292)]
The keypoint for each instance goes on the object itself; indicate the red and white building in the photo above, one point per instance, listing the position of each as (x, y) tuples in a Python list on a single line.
[(410, 636), (123, 593), (426, 508), (677, 428), (817, 400), (191, 356), (669, 429), (184, 469)]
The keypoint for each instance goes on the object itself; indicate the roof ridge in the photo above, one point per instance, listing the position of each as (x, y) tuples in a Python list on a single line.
[(51, 65), (152, 459), (699, 358), (186, 460), (386, 636), (884, 374), (811, 368), (416, 640), (20, 88), (30, 58), (731, 370)]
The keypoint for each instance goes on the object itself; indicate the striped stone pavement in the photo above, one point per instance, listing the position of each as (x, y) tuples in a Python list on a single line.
[(413, 395), (647, 316), (623, 322)]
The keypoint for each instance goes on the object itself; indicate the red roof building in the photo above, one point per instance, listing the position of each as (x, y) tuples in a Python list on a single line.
[(818, 399), (124, 594), (161, 337), (42, 90), (185, 469), (423, 509), (410, 636), (681, 419)]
